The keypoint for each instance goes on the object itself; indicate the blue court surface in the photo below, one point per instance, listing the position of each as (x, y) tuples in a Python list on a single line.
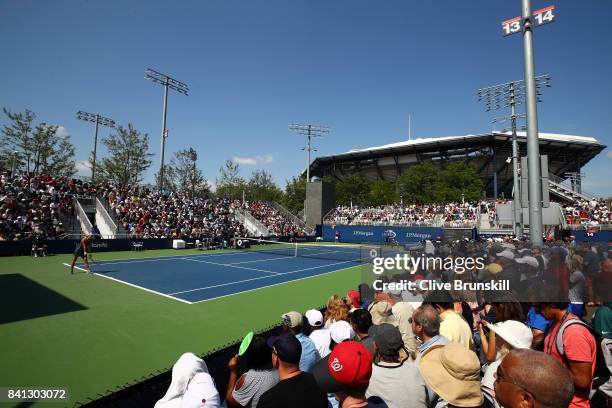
[(200, 277)]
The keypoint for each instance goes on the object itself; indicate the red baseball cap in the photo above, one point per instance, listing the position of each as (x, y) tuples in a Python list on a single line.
[(349, 366)]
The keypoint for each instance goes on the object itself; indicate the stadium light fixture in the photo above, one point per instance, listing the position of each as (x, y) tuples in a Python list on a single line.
[(168, 83), (309, 131), (98, 120), (510, 94)]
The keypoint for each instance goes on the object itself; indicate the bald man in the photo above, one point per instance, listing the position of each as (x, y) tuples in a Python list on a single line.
[(532, 379)]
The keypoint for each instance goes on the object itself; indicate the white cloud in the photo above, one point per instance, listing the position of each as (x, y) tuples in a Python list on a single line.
[(609, 155), (61, 131), (213, 185), (252, 161), (82, 166)]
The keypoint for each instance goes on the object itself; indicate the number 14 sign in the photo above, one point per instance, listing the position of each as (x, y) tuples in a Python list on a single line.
[(540, 17)]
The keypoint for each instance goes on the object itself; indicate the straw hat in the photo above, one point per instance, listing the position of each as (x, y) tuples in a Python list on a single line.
[(453, 372)]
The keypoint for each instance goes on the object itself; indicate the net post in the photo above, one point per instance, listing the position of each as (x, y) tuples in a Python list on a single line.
[(296, 250)]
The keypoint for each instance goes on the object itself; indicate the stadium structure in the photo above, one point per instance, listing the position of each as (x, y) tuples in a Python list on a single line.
[(488, 152)]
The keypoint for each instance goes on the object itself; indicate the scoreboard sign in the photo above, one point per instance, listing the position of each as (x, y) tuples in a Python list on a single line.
[(539, 17)]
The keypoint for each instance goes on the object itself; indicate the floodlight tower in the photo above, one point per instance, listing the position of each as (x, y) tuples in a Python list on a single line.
[(309, 131), (98, 120), (168, 83), (511, 94)]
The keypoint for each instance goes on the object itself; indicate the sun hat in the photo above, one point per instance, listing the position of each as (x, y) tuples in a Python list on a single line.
[(515, 333), (453, 372), (340, 331), (314, 317), (494, 268), (349, 366)]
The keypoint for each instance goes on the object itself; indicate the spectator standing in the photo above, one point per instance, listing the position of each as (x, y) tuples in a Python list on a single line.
[(602, 322), (402, 313), (426, 327), (346, 374), (510, 335), (292, 323), (190, 382), (296, 389), (398, 382), (578, 352), (319, 335), (361, 321), (532, 379), (452, 325), (260, 377)]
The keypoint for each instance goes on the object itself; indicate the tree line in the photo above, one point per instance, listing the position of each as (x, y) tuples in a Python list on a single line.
[(40, 148)]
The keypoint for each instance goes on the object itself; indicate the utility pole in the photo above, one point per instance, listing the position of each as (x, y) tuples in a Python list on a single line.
[(98, 120), (168, 83), (309, 131), (525, 23)]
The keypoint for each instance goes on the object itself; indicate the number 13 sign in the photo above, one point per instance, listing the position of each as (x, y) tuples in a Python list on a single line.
[(540, 17)]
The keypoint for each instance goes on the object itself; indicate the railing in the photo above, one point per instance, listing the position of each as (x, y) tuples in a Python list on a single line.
[(288, 214), (567, 185), (82, 216), (101, 209), (257, 227)]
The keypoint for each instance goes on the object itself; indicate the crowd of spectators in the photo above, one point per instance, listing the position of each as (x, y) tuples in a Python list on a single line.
[(534, 345), (147, 213), (34, 207), (274, 220), (450, 215), (588, 213)]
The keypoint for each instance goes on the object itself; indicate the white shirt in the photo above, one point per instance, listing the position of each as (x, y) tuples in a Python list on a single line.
[(321, 339)]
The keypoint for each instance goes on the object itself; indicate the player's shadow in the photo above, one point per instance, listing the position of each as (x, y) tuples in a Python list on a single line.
[(24, 299)]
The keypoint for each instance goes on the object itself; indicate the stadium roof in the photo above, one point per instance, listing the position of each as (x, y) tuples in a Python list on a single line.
[(565, 153)]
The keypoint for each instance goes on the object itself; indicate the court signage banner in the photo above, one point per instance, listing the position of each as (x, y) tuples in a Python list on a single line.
[(380, 234), (66, 246)]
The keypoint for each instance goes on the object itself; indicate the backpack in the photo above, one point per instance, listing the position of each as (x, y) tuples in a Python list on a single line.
[(602, 372)]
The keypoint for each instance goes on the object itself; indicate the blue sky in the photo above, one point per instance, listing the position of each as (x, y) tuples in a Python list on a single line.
[(359, 67)]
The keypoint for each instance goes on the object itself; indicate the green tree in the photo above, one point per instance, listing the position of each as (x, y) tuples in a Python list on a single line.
[(382, 192), (39, 149), (353, 188), (461, 179), (128, 156), (229, 182), (261, 186), (182, 174), (422, 183), (295, 194)]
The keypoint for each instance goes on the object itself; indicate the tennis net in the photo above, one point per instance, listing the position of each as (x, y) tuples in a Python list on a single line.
[(335, 252)]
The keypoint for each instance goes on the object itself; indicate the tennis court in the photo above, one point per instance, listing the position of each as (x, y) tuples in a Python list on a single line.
[(201, 277)]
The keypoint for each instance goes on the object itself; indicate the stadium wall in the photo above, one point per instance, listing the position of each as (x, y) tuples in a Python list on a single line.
[(583, 236), (377, 234)]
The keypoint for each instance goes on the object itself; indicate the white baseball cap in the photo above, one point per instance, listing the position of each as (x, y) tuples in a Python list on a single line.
[(515, 333), (505, 254), (314, 317), (340, 331)]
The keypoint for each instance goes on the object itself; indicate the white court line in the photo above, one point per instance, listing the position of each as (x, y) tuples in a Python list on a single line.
[(169, 257), (76, 267), (258, 260), (232, 266), (135, 286), (269, 286), (260, 277)]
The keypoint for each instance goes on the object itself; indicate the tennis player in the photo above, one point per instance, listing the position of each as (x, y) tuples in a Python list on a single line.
[(81, 250)]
